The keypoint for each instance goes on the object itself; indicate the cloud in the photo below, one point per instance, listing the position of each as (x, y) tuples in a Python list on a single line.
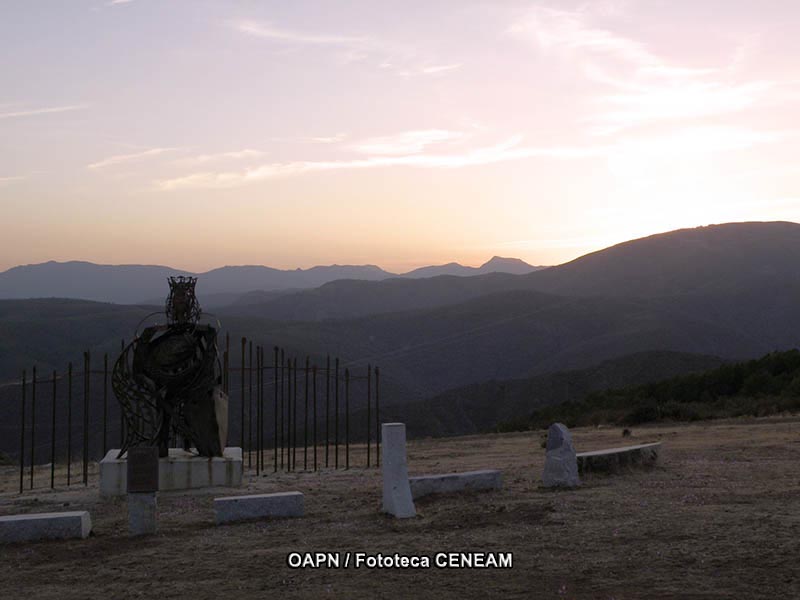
[(402, 59), (116, 2), (670, 100), (270, 31), (121, 158), (41, 111), (440, 68), (221, 156), (629, 155), (644, 88), (505, 151), (7, 180), (333, 139), (409, 142), (566, 31)]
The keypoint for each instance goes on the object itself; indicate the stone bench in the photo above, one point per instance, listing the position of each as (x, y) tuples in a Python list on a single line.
[(612, 460), (45, 526), (455, 482), (258, 506)]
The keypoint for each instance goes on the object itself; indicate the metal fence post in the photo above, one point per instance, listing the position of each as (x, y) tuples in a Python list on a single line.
[(53, 437), (283, 397), (87, 366), (327, 410), (347, 418), (241, 432), (336, 416), (22, 434), (305, 417), (259, 407), (293, 437), (315, 417), (275, 410), (250, 408), (378, 415), (69, 423), (288, 420), (105, 403), (33, 423)]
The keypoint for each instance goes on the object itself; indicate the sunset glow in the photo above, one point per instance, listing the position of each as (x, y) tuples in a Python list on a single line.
[(198, 134)]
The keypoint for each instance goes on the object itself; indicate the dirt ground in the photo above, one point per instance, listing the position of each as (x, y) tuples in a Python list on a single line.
[(718, 518)]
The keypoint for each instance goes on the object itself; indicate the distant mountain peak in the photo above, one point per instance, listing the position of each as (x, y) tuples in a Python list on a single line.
[(497, 261)]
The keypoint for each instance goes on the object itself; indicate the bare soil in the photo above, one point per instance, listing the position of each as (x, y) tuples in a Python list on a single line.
[(718, 518)]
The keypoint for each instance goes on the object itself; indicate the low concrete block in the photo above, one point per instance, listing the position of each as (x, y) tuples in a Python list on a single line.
[(181, 470), (45, 526), (142, 519), (397, 498), (613, 460), (455, 482), (258, 506)]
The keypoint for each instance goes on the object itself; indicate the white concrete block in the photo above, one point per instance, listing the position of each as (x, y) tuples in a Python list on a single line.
[(397, 499), (489, 479), (142, 513), (258, 506), (180, 471), (45, 526)]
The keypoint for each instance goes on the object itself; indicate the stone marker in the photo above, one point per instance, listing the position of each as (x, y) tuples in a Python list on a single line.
[(423, 485), (560, 463), (397, 498), (142, 480), (258, 506), (45, 526)]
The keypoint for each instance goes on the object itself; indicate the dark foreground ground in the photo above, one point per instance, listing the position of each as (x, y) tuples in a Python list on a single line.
[(719, 518)]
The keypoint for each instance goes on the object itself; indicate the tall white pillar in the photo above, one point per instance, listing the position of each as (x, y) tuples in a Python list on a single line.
[(397, 498)]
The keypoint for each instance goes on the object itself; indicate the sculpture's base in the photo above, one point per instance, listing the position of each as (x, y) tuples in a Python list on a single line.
[(180, 471)]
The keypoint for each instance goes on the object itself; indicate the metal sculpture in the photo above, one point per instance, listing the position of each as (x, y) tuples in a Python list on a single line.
[(168, 380)]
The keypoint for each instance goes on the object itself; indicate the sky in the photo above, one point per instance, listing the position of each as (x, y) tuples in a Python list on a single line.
[(199, 134)]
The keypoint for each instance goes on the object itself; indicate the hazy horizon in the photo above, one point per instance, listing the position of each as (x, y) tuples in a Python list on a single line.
[(202, 134)]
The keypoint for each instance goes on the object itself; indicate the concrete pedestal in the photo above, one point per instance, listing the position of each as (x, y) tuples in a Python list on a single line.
[(142, 508), (397, 498), (180, 471)]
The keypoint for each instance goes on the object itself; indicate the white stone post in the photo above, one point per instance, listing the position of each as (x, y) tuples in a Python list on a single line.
[(397, 498)]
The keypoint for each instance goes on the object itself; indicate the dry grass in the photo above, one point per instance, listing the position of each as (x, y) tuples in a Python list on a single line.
[(719, 518)]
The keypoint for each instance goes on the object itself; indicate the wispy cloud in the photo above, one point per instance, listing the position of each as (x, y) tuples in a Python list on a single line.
[(505, 151), (122, 158), (221, 156), (270, 31), (433, 69), (116, 2), (645, 88), (399, 58), (408, 142), (332, 139), (690, 142), (41, 111), (7, 180)]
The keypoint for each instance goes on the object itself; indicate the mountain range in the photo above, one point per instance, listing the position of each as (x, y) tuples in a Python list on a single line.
[(727, 291), (130, 284)]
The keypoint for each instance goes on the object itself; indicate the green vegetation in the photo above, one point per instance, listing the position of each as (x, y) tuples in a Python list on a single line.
[(765, 386)]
